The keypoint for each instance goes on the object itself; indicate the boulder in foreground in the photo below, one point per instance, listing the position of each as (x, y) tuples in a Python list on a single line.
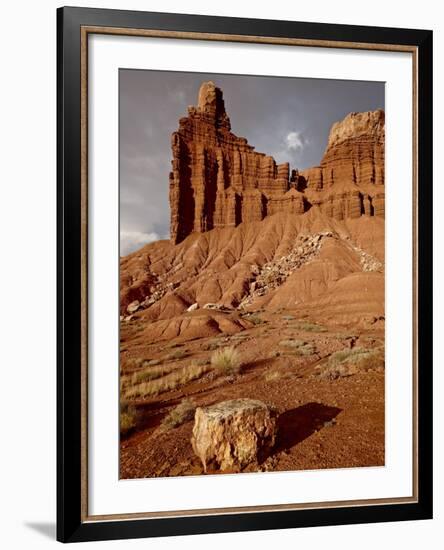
[(232, 434)]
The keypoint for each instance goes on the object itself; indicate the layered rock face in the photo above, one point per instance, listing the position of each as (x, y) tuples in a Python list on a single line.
[(351, 173), (219, 180)]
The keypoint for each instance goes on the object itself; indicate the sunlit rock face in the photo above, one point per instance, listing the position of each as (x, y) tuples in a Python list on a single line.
[(219, 180)]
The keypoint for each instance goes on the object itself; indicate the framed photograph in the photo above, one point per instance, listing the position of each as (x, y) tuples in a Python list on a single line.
[(244, 274)]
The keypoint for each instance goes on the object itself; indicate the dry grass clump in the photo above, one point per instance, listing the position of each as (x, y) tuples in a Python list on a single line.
[(255, 319), (179, 415), (348, 361), (239, 336), (277, 374), (149, 373), (178, 354), (310, 327), (306, 349), (271, 375), (338, 371), (178, 377), (350, 355), (342, 336), (203, 361), (292, 343), (136, 363), (213, 344), (128, 417), (299, 346), (226, 360)]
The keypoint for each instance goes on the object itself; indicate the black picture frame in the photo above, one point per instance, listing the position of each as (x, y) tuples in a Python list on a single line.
[(72, 526)]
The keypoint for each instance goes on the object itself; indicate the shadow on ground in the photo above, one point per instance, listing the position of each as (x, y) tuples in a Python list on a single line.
[(297, 424)]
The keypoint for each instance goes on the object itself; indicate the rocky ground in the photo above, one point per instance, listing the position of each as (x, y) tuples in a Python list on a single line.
[(326, 383)]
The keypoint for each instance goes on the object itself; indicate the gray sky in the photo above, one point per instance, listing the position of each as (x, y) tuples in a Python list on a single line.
[(288, 118)]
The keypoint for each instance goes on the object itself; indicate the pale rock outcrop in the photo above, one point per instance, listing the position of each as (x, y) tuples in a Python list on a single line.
[(233, 434), (133, 306)]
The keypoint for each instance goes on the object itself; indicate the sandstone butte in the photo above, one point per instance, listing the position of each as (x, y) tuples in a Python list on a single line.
[(218, 180), (247, 234)]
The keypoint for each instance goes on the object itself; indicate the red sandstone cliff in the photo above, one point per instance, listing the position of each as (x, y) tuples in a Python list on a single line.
[(219, 180)]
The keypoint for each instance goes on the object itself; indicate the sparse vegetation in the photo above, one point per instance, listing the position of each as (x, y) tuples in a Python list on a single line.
[(211, 346), (292, 343), (350, 361), (309, 327), (239, 336), (215, 342), (128, 417), (226, 360), (350, 355), (271, 375), (150, 373), (175, 355), (342, 336), (171, 381), (256, 320), (203, 361), (299, 346), (180, 414), (135, 362), (277, 374)]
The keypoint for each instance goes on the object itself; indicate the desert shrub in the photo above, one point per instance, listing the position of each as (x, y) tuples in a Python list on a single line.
[(299, 346), (226, 360), (292, 343), (171, 381), (214, 343), (178, 354), (211, 346), (307, 349), (276, 374), (239, 336), (203, 361), (150, 373), (271, 375), (350, 355), (128, 417), (256, 320), (349, 361), (333, 372), (134, 362), (180, 414), (310, 327)]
